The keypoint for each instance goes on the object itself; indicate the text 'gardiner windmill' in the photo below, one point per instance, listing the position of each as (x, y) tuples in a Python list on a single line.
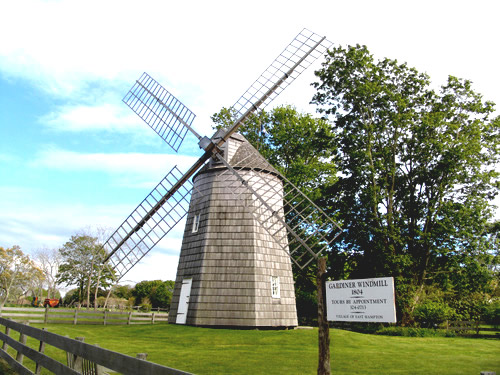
[(245, 221)]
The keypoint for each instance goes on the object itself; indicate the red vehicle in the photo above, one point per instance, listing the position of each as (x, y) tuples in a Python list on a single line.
[(51, 302)]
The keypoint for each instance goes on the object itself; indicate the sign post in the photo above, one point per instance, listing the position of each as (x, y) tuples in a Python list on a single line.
[(362, 300), (323, 327)]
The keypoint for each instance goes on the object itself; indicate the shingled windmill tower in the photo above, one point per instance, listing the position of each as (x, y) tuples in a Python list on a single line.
[(231, 271), (245, 222)]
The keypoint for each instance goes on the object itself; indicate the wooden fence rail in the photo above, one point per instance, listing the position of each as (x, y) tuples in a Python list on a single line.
[(80, 316), (466, 327), (76, 349)]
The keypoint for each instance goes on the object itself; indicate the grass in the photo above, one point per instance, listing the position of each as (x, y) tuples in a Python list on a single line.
[(5, 369), (225, 351)]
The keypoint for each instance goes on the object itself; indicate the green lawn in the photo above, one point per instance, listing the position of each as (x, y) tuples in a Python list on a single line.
[(224, 351)]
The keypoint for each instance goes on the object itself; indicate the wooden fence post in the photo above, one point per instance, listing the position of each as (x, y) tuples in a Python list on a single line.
[(20, 356), (143, 356), (129, 321), (75, 362), (75, 318), (46, 316), (99, 370), (153, 318), (7, 333), (104, 317), (41, 349)]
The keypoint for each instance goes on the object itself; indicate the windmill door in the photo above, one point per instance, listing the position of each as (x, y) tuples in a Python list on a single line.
[(182, 310)]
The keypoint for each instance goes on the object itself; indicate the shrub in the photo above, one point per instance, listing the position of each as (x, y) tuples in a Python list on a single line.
[(470, 306), (100, 301), (131, 302), (146, 304), (71, 297), (491, 313), (307, 307), (432, 313), (158, 293), (413, 332)]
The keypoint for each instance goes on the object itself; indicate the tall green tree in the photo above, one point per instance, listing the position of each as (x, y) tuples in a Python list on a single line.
[(416, 171), (48, 260), (297, 144), (82, 265), (19, 275)]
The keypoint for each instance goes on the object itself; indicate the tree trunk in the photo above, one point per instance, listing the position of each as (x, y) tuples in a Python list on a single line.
[(3, 301), (107, 296), (323, 327), (7, 290), (89, 282), (97, 288)]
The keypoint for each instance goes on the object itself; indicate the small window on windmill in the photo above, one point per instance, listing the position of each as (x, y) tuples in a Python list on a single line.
[(275, 286), (196, 222)]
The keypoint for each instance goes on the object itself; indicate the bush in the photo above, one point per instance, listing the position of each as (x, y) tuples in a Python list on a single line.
[(432, 313), (358, 327), (146, 304), (414, 332), (157, 292), (470, 306), (114, 303), (100, 301), (131, 302), (71, 297), (491, 313), (307, 308)]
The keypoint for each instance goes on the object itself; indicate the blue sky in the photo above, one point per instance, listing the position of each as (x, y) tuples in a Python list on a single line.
[(72, 155)]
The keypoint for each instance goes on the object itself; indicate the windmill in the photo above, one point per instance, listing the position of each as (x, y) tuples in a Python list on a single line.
[(245, 221)]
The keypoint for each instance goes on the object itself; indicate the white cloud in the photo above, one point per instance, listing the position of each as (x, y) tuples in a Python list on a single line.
[(107, 117), (154, 266), (118, 163), (33, 223), (113, 118), (161, 262), (208, 53), (58, 44), (62, 45), (6, 158)]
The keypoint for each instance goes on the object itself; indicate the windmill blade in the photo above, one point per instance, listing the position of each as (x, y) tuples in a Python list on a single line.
[(158, 213), (304, 49), (279, 206), (169, 118), (165, 114)]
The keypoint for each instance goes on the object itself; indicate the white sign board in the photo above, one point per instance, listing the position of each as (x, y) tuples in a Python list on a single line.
[(362, 300)]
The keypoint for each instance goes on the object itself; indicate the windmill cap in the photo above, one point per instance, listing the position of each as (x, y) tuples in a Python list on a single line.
[(240, 154)]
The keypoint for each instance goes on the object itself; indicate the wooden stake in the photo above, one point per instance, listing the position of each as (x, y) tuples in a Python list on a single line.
[(323, 327), (7, 333), (41, 349)]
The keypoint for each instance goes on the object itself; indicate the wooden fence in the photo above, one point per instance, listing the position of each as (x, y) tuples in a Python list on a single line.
[(472, 328), (90, 358), (80, 316), (463, 327)]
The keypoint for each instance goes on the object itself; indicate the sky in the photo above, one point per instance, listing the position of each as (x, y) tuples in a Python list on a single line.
[(74, 157)]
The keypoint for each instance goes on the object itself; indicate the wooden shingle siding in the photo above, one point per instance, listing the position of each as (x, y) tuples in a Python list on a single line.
[(231, 258)]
